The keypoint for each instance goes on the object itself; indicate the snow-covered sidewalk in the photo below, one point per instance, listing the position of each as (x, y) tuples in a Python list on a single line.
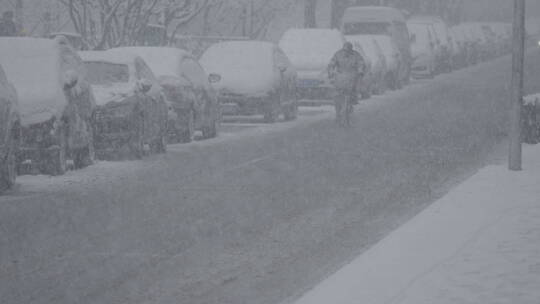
[(478, 244)]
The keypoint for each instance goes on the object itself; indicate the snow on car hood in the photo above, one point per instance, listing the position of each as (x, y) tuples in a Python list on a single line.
[(245, 82), (112, 93), (245, 67)]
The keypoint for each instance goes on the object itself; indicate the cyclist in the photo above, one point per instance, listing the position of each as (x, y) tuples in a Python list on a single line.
[(345, 70)]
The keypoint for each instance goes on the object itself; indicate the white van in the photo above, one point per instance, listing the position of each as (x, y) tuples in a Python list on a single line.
[(379, 20)]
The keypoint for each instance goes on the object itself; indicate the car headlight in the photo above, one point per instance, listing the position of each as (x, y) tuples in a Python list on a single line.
[(538, 43)]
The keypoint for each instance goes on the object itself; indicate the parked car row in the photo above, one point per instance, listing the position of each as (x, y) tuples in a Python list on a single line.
[(125, 103), (74, 107), (128, 102), (438, 48)]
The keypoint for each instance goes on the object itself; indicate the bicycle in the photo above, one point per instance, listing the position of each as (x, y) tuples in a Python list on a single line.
[(344, 106)]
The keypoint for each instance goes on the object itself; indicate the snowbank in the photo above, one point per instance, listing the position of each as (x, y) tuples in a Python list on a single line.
[(478, 244)]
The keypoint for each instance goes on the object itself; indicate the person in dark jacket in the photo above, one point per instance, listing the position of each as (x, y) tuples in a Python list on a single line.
[(345, 71), (8, 28)]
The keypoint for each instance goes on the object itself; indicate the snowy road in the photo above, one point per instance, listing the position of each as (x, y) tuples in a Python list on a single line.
[(257, 215)]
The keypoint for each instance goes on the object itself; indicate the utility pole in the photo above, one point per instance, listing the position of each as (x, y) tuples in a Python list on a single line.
[(518, 59), (19, 17)]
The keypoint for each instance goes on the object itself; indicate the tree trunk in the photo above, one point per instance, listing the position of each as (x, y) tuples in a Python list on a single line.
[(310, 9)]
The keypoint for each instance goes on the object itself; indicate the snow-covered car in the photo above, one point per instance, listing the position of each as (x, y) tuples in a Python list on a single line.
[(256, 78), (443, 45), (374, 80), (188, 91), (9, 132), (422, 49), (381, 20), (310, 52), (55, 101), (393, 62), (479, 38), (131, 114), (470, 44)]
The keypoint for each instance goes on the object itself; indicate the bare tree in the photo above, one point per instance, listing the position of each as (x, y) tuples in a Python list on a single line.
[(110, 23)]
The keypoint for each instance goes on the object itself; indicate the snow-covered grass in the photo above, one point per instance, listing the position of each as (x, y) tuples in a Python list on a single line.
[(478, 244)]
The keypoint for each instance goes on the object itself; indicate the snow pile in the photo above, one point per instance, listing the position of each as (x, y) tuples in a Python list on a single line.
[(478, 244), (33, 66), (246, 67), (311, 49), (532, 100)]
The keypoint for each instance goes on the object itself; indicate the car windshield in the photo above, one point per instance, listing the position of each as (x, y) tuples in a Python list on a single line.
[(103, 73), (367, 28)]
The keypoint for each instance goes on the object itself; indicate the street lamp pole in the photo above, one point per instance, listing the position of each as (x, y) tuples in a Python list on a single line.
[(518, 59)]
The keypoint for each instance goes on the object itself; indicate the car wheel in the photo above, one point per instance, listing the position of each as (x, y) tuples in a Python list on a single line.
[(291, 111), (212, 130), (56, 163), (159, 146), (136, 143), (8, 167), (187, 133), (273, 109), (86, 156)]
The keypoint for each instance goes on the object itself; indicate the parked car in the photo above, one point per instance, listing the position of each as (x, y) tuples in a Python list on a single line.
[(444, 49), (479, 38), (131, 114), (187, 88), (374, 80), (10, 126), (393, 61), (55, 101), (379, 20), (310, 52), (471, 44), (256, 78), (423, 50)]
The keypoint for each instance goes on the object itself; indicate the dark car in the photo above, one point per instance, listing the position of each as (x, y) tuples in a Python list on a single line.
[(190, 96), (256, 78), (131, 114), (9, 132), (55, 101)]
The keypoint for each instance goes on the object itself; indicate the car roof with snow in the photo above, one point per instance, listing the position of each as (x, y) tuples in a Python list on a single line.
[(246, 67), (424, 19), (108, 57), (33, 66), (372, 13), (311, 48), (163, 61)]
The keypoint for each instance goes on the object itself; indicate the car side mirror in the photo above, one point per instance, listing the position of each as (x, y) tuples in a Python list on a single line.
[(144, 85), (213, 78), (71, 78), (413, 38)]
